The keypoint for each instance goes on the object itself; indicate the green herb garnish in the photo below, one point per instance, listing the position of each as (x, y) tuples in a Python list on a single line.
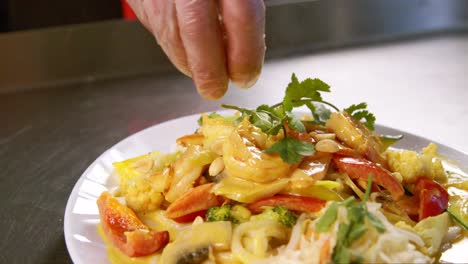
[(359, 112), (351, 231), (456, 218), (388, 140), (215, 115), (273, 119), (291, 150)]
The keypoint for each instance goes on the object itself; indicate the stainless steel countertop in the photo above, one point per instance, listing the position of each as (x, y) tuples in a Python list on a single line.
[(49, 136)]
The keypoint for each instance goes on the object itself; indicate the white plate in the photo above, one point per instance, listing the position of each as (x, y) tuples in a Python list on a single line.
[(81, 213)]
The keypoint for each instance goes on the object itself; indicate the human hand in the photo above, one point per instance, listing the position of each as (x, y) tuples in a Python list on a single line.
[(212, 41)]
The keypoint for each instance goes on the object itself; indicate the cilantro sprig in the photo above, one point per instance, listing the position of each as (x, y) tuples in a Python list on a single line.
[(359, 112), (273, 119), (352, 230), (291, 150)]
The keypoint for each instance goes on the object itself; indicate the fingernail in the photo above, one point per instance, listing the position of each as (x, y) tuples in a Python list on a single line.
[(213, 92), (185, 71), (246, 81)]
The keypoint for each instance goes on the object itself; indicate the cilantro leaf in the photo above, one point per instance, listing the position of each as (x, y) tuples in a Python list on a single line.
[(359, 112), (320, 113), (355, 107), (294, 122), (263, 118), (291, 150), (264, 108), (307, 89)]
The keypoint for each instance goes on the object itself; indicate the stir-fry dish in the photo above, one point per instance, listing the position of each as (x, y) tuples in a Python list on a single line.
[(266, 185)]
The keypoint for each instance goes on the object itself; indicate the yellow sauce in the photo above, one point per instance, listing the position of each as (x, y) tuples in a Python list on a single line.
[(457, 187)]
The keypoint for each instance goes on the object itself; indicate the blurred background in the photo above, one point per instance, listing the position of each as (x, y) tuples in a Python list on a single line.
[(25, 15), (103, 41), (76, 77)]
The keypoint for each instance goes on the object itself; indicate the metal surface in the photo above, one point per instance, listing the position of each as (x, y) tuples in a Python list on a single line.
[(84, 53), (49, 136)]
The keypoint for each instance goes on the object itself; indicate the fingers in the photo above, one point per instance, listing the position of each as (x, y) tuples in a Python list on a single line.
[(201, 36), (159, 16), (137, 8), (190, 34), (244, 23)]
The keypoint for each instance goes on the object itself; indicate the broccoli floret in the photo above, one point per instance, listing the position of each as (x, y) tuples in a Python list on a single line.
[(219, 213), (278, 213)]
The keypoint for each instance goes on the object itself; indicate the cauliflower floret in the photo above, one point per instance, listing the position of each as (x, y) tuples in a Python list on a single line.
[(412, 165), (142, 198), (143, 179)]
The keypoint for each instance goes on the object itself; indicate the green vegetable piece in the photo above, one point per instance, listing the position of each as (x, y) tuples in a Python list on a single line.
[(359, 112), (349, 201), (328, 218), (320, 113), (294, 122), (219, 213), (342, 234), (375, 222), (356, 232), (298, 93), (368, 187), (341, 254), (211, 115), (271, 119), (278, 213), (388, 140), (457, 218), (291, 150), (264, 118), (356, 214), (261, 120)]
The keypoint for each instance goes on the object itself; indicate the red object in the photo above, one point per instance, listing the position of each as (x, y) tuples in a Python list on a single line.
[(291, 202), (429, 199), (433, 198), (127, 11), (188, 218), (195, 200), (126, 232), (359, 168)]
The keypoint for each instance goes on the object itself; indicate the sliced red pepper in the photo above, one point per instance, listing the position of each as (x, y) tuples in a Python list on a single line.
[(429, 199), (197, 199), (360, 168), (433, 198), (126, 232), (190, 217), (291, 202)]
